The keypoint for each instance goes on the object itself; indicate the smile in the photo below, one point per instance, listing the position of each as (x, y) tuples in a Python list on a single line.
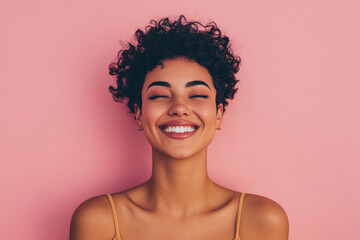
[(179, 129)]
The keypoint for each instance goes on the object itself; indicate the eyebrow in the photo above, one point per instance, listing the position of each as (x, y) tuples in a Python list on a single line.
[(189, 84)]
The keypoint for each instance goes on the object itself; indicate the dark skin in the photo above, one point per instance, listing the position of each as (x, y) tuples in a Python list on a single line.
[(179, 201)]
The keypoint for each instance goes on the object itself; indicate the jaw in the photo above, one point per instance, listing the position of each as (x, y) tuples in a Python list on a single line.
[(176, 153)]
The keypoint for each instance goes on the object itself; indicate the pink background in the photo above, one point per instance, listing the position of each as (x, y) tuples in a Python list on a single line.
[(292, 133)]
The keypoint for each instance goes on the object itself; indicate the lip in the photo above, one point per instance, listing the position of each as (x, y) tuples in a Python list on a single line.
[(175, 135), (179, 123)]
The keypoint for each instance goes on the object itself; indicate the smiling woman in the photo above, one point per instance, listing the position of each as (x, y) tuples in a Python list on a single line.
[(179, 95), (176, 80)]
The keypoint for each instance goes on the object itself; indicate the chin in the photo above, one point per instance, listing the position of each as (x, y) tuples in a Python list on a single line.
[(180, 154)]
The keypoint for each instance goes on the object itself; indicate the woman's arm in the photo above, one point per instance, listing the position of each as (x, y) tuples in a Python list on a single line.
[(263, 219), (92, 220)]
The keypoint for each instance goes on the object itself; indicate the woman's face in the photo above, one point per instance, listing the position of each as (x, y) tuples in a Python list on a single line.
[(179, 114)]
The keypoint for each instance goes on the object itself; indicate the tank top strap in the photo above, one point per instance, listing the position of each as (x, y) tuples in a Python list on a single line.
[(238, 216), (117, 229)]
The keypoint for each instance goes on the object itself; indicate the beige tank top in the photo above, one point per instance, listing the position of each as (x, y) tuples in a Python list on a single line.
[(238, 217)]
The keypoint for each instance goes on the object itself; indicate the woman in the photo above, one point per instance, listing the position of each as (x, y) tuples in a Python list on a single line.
[(176, 80)]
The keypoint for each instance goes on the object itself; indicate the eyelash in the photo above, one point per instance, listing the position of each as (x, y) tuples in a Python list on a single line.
[(194, 96), (157, 96), (202, 96)]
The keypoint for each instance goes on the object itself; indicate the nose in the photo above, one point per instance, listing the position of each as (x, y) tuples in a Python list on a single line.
[(179, 107)]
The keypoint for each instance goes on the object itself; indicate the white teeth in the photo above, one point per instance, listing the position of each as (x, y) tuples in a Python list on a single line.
[(179, 129)]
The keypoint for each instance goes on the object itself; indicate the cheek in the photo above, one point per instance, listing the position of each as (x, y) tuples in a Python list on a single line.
[(207, 112), (151, 113)]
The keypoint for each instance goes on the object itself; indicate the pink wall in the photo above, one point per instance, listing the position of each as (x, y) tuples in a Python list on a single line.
[(291, 134)]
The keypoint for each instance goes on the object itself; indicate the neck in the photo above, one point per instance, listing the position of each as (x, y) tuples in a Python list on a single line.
[(179, 186)]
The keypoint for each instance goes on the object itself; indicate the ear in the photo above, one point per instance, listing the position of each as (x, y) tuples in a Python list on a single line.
[(138, 116), (219, 115)]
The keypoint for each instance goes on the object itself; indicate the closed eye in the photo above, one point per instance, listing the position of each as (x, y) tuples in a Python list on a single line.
[(201, 96), (157, 96)]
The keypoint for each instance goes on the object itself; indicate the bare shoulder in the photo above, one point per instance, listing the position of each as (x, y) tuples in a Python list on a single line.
[(92, 219), (263, 219)]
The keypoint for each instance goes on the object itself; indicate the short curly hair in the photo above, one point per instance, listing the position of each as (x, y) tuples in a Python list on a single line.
[(166, 39)]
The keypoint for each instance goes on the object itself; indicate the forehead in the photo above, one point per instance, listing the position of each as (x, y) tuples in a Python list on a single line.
[(178, 72)]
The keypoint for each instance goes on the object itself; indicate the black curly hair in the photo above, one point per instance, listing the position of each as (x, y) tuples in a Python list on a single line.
[(166, 39)]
